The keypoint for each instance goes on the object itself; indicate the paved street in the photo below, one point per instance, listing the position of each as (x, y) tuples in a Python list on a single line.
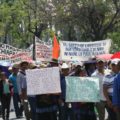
[(13, 117)]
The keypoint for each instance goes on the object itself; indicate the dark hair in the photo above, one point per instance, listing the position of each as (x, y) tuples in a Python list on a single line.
[(2, 74), (25, 62), (78, 70)]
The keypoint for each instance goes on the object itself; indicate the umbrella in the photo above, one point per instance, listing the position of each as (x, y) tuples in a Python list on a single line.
[(5, 64), (104, 56), (116, 55)]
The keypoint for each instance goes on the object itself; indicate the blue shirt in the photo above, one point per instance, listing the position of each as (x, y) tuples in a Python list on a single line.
[(13, 79), (116, 91)]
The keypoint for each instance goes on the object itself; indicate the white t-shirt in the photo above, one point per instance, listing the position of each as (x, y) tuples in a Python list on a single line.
[(101, 81)]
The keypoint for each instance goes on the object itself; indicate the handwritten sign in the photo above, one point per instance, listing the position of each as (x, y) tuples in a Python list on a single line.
[(14, 55), (43, 52), (43, 81), (83, 50), (82, 89)]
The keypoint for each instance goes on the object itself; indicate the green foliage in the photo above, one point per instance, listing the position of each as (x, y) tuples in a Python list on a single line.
[(115, 36), (78, 20)]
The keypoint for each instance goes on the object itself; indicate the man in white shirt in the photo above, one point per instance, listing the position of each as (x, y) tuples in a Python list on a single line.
[(100, 73)]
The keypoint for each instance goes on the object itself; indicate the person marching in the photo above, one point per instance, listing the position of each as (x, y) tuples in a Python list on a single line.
[(65, 109), (5, 96), (108, 88), (83, 110), (16, 99), (22, 87), (100, 73)]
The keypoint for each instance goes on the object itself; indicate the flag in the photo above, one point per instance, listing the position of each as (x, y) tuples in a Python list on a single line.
[(56, 48)]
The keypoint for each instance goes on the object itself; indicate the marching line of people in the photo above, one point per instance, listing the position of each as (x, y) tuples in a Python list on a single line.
[(54, 106)]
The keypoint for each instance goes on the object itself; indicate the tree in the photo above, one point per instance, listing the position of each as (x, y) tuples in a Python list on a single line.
[(76, 20), (92, 18)]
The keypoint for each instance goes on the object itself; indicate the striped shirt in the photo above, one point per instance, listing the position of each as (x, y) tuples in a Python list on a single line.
[(108, 81)]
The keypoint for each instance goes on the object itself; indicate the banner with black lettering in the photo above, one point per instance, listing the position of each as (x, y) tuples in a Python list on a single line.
[(83, 50)]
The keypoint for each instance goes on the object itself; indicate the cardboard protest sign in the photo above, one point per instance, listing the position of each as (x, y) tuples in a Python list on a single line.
[(83, 50), (82, 89), (43, 81)]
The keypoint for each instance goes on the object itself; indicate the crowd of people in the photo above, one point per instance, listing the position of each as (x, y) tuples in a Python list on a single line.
[(54, 106)]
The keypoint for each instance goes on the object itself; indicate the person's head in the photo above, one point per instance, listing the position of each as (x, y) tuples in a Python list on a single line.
[(65, 69), (3, 76), (24, 65), (100, 65), (81, 72), (15, 69), (54, 63), (118, 65)]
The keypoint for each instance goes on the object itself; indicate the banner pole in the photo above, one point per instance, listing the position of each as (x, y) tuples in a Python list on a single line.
[(34, 47)]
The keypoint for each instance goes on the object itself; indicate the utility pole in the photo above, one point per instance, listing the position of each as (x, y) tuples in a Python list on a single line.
[(34, 36)]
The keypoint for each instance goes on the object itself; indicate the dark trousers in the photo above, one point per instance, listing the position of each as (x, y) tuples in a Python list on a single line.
[(17, 105), (66, 113), (5, 101), (32, 102), (85, 112), (47, 116), (111, 114)]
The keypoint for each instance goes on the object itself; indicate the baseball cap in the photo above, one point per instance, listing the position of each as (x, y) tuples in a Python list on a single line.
[(115, 61)]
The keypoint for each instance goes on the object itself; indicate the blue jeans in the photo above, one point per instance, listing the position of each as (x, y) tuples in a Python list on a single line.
[(32, 102), (17, 105)]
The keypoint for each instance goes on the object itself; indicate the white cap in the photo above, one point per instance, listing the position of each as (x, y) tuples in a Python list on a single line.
[(115, 61), (64, 66)]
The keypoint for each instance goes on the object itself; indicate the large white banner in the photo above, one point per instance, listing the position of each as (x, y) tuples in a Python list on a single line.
[(43, 81), (83, 50)]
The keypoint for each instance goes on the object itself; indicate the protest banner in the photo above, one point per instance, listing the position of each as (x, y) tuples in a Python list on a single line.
[(83, 50), (43, 81), (17, 58), (6, 49), (43, 52), (14, 55), (82, 89)]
